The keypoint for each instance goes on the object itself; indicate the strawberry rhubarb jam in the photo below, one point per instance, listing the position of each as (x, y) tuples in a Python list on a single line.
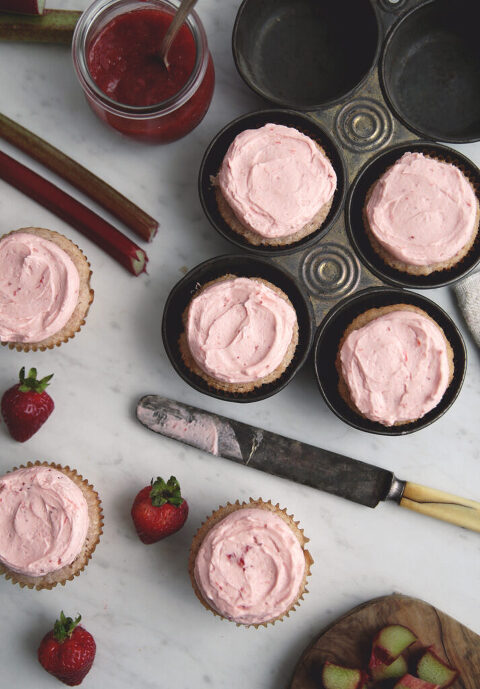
[(116, 54)]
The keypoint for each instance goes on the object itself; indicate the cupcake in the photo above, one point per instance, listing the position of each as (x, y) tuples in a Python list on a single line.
[(248, 563), (45, 289), (50, 524), (275, 185), (239, 333), (422, 215), (394, 364)]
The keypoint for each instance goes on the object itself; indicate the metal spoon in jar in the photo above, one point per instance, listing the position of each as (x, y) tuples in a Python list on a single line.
[(185, 8)]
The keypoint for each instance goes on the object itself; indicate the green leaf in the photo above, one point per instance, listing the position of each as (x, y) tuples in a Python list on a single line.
[(162, 493), (64, 627)]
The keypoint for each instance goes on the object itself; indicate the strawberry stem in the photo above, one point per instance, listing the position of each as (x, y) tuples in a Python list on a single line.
[(162, 492), (64, 627), (30, 383)]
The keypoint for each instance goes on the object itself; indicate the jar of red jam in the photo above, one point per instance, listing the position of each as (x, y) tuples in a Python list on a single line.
[(115, 54)]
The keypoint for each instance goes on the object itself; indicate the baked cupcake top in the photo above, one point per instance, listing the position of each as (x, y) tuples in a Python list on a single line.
[(39, 288), (250, 566), (43, 520), (276, 179), (422, 210), (239, 330), (396, 366)]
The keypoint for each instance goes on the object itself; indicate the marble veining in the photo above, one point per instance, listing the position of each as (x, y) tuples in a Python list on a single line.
[(137, 600)]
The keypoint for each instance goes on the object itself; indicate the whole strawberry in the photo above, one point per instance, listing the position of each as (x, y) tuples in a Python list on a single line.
[(67, 652), (159, 510), (26, 406)]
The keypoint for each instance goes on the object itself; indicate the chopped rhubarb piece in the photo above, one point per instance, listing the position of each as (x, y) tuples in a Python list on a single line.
[(338, 677), (391, 641), (433, 669), (23, 6), (411, 682), (380, 671)]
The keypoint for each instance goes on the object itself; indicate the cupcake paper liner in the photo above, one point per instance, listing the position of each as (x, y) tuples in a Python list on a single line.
[(85, 297), (95, 529), (217, 516)]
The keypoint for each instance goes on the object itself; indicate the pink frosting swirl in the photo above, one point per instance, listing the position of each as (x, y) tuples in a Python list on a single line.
[(250, 566), (43, 520), (396, 367), (238, 330), (422, 211), (39, 287), (276, 179)]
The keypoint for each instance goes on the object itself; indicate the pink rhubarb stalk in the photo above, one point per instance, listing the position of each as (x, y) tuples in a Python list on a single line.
[(81, 178), (116, 244)]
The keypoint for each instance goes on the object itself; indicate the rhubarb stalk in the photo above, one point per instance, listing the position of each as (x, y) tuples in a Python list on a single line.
[(54, 26), (23, 6), (81, 178), (116, 244)]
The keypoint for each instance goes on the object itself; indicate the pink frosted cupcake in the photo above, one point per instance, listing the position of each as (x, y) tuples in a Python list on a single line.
[(394, 364), (422, 215), (248, 563), (239, 333), (50, 524), (45, 289), (275, 185)]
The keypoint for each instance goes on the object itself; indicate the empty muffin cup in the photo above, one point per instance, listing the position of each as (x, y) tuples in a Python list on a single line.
[(430, 71), (305, 54), (213, 270), (329, 336)]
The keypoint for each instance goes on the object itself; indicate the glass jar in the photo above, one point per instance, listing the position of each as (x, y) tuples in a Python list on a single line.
[(162, 122)]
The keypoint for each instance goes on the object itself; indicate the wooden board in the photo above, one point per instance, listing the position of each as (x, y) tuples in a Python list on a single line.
[(348, 641)]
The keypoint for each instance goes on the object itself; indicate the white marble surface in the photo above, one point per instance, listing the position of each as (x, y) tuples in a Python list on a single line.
[(137, 600)]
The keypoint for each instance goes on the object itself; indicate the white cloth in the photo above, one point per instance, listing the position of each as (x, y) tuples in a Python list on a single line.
[(467, 292)]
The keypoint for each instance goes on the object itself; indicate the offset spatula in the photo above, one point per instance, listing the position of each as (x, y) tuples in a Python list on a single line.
[(357, 481)]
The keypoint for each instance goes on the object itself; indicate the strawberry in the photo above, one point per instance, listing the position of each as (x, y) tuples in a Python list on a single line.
[(26, 406), (159, 510), (67, 651)]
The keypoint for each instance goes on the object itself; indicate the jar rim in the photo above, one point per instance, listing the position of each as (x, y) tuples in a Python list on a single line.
[(81, 41)]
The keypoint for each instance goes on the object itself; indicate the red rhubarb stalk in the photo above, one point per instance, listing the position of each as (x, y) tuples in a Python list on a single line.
[(81, 178), (116, 244), (54, 26), (23, 6)]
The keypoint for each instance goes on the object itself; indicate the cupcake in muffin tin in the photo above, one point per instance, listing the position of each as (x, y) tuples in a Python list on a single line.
[(240, 333), (275, 185), (421, 215)]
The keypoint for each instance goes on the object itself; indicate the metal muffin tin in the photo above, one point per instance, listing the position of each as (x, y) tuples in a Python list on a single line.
[(376, 76)]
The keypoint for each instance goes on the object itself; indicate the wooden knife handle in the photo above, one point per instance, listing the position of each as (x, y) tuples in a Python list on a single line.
[(436, 503)]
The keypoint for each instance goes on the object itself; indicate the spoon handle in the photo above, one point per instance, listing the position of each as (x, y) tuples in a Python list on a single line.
[(185, 7)]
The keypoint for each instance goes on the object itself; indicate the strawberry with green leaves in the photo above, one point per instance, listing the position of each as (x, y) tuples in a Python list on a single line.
[(26, 406), (67, 651), (159, 510)]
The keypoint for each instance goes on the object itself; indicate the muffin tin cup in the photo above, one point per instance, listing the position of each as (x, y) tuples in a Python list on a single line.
[(330, 333), (240, 266), (216, 151)]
